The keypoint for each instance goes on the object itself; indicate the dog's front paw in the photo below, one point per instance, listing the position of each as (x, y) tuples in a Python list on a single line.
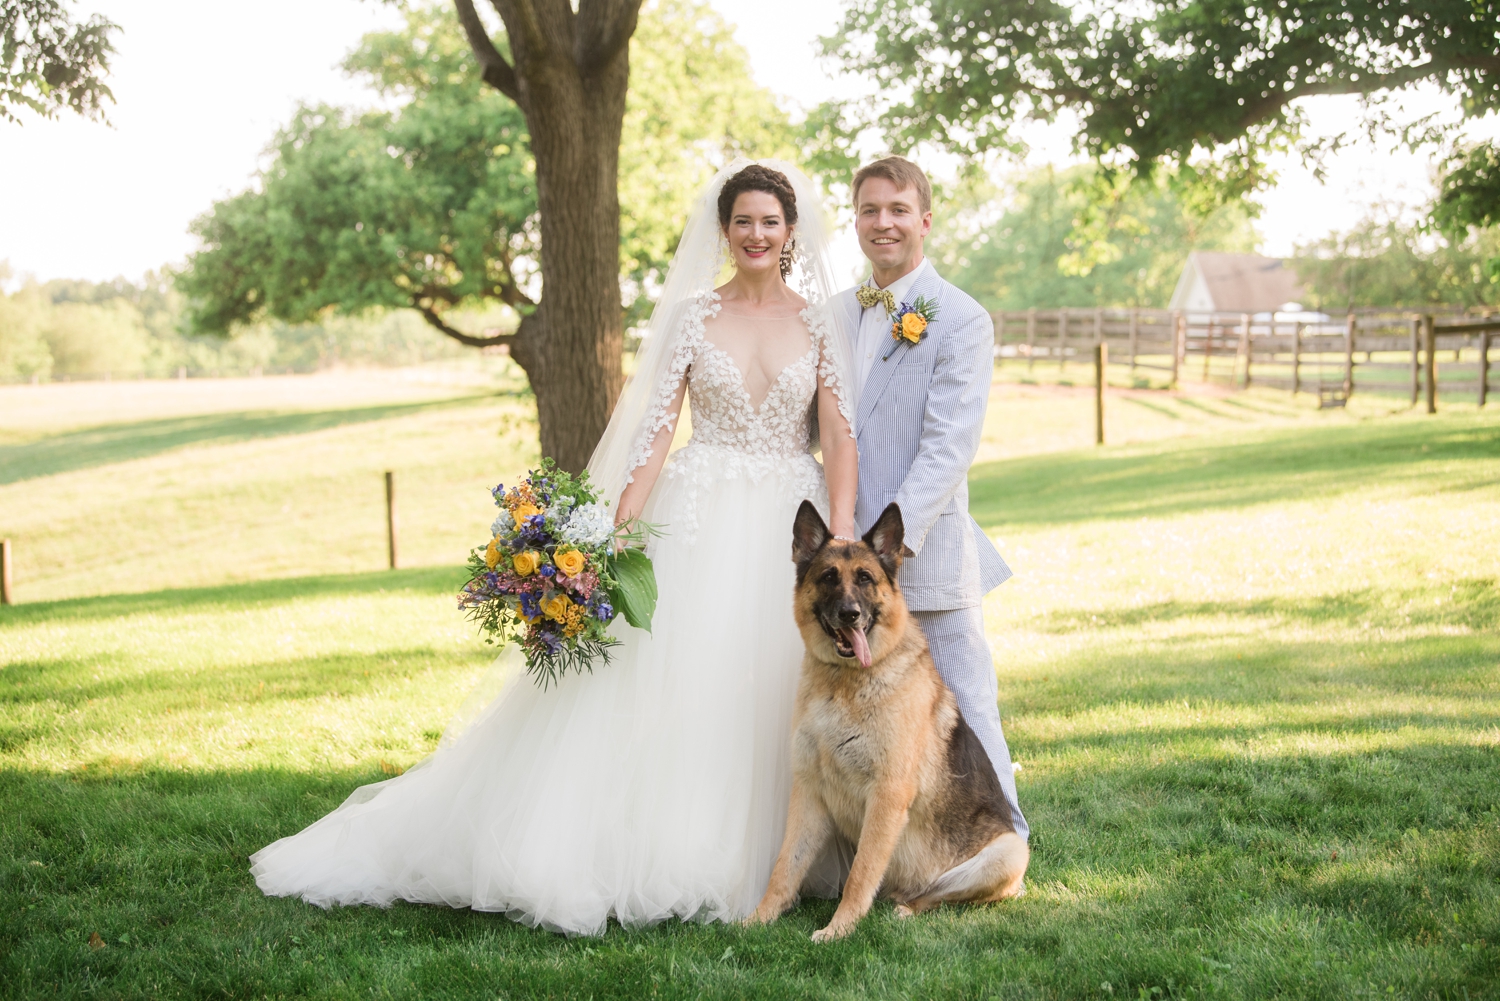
[(835, 931)]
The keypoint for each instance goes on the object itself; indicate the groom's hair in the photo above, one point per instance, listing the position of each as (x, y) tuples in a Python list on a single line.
[(899, 171)]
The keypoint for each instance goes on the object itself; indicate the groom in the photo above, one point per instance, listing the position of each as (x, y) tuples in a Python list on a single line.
[(921, 410)]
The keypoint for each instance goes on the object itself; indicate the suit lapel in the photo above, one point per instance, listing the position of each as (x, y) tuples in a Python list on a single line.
[(929, 285)]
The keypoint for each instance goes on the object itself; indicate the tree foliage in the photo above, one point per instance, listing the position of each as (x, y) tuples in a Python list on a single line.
[(1205, 86), (432, 206), (50, 62), (1041, 244), (1389, 261)]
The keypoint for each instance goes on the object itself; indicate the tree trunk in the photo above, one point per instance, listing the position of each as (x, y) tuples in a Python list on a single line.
[(571, 70), (576, 142)]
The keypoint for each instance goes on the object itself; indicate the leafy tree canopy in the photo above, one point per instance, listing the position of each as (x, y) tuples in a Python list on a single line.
[(1205, 86), (50, 63), (432, 205), (1043, 245), (1389, 261)]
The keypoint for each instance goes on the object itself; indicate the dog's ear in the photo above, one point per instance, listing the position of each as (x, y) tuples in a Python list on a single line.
[(808, 535), (886, 537)]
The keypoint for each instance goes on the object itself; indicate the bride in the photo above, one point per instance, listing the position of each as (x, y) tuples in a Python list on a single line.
[(656, 786)]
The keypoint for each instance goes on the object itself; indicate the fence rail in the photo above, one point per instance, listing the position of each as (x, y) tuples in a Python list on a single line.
[(1370, 349)]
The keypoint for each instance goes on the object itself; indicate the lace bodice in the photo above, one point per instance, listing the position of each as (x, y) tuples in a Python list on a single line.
[(725, 414)]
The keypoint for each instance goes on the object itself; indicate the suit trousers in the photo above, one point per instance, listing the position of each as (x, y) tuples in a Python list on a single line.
[(962, 655)]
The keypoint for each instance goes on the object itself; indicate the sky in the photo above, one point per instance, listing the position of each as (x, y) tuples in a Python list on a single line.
[(200, 89)]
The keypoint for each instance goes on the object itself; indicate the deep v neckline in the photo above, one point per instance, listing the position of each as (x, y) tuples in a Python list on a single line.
[(775, 383)]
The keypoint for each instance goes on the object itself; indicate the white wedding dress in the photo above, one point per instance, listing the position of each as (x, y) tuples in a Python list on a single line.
[(657, 785)]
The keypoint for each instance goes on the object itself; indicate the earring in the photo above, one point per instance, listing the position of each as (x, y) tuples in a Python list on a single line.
[(786, 256)]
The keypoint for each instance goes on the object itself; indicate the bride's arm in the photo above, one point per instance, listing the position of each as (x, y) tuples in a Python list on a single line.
[(840, 461), (633, 498)]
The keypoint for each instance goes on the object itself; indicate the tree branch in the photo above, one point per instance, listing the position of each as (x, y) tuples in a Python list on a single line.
[(493, 68), (431, 316), (604, 28), (527, 39)]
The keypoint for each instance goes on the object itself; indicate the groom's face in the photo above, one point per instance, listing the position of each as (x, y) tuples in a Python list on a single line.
[(891, 224)]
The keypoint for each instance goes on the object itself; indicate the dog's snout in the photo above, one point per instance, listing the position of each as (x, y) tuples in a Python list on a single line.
[(849, 613)]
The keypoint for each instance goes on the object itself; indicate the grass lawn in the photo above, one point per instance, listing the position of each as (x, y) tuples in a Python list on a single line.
[(1250, 666)]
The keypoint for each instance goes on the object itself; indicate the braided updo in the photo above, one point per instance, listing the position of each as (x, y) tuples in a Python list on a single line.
[(772, 182)]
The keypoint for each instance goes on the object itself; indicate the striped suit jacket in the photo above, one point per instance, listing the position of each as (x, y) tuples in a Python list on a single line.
[(920, 416)]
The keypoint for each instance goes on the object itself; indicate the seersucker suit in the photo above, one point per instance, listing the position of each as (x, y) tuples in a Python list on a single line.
[(921, 413)]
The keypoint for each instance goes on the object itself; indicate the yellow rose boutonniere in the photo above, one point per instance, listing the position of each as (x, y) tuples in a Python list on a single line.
[(556, 608), (909, 323), (525, 563), (912, 326), (571, 562)]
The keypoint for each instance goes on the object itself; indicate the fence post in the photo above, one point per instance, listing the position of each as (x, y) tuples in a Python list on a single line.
[(1296, 358), (1245, 349), (1429, 334), (1062, 339), (1098, 325), (1484, 365), (1179, 335), (1135, 316), (1208, 347), (1416, 359), (1101, 376), (5, 593), (390, 515), (1031, 339), (1349, 325)]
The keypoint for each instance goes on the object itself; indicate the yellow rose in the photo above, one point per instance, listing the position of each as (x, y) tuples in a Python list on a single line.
[(526, 563), (556, 608), (524, 511), (492, 554), (571, 562), (912, 326)]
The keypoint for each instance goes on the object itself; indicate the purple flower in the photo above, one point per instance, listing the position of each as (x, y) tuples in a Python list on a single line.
[(531, 606), (548, 571), (604, 611)]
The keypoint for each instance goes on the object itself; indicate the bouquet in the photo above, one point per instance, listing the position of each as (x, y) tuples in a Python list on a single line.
[(551, 578)]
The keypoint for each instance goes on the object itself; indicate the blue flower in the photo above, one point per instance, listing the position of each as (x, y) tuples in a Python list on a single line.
[(531, 606), (604, 611), (548, 571)]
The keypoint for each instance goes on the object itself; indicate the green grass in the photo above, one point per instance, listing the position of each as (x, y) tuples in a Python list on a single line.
[(1250, 665)]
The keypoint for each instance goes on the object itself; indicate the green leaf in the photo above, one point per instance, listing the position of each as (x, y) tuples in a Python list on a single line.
[(634, 593)]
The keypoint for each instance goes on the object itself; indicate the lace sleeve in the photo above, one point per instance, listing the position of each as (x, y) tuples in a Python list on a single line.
[(831, 361), (661, 416)]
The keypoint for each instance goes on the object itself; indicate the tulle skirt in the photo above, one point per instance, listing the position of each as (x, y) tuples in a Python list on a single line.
[(654, 787)]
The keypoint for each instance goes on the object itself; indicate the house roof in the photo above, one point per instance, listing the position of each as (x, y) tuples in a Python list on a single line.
[(1240, 283)]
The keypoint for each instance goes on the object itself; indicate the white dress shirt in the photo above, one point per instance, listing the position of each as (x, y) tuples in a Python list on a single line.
[(874, 335)]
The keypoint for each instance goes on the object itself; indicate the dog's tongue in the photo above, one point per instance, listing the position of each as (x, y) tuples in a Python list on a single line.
[(861, 646)]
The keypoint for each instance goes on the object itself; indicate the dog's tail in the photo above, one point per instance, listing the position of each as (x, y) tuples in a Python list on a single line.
[(995, 873)]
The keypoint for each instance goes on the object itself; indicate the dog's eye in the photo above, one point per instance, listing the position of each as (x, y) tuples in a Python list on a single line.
[(864, 577), (830, 576)]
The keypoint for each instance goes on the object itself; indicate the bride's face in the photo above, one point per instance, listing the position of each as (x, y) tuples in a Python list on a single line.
[(757, 231)]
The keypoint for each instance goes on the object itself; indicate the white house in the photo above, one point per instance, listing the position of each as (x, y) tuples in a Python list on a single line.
[(1235, 283)]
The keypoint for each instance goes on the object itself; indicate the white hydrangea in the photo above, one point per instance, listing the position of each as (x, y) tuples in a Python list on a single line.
[(589, 525), (502, 524)]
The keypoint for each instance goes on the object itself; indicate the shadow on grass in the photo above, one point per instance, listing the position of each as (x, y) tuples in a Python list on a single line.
[(421, 580), (1471, 602), (1248, 468), (112, 443), (1288, 874)]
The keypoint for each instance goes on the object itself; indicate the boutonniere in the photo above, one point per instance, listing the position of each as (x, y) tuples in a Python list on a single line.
[(909, 323)]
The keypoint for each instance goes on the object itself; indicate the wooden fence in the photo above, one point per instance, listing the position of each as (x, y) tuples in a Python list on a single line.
[(1368, 350)]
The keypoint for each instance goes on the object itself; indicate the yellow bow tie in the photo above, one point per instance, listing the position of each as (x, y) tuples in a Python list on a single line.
[(869, 295)]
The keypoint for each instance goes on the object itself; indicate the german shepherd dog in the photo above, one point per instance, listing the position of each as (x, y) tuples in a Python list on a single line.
[(881, 755)]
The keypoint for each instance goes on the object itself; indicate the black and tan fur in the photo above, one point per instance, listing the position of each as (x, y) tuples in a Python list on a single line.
[(881, 755)]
